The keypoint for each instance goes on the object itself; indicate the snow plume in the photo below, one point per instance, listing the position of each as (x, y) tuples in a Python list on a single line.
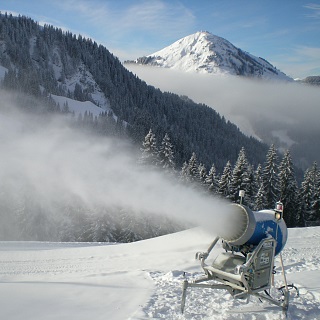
[(54, 163)]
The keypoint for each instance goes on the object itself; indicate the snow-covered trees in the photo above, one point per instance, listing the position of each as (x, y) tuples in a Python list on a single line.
[(240, 176), (151, 154), (309, 195), (212, 180), (263, 186), (149, 150), (225, 181), (288, 188), (166, 154), (270, 178)]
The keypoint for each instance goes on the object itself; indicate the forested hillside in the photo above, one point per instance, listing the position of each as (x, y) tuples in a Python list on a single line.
[(44, 60)]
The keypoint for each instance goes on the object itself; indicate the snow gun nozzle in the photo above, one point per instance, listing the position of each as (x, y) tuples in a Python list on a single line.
[(253, 226)]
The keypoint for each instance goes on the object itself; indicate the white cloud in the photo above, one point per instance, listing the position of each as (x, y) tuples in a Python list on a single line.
[(158, 16), (300, 61), (153, 16), (308, 52), (144, 22), (315, 10)]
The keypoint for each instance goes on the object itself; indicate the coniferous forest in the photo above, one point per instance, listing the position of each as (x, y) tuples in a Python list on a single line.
[(189, 141)]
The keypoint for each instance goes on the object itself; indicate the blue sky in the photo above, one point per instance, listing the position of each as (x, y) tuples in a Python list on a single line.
[(285, 32)]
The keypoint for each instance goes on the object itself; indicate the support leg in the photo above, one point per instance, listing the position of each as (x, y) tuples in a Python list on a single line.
[(184, 294)]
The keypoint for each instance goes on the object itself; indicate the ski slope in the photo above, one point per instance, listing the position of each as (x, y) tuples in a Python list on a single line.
[(142, 280)]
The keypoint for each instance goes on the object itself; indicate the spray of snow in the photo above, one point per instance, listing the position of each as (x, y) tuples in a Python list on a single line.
[(56, 163)]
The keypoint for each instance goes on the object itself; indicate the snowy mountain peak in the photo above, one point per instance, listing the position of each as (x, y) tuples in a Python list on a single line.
[(203, 52)]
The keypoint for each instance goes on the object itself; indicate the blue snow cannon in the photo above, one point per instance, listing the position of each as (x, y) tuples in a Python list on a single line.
[(257, 225), (247, 266)]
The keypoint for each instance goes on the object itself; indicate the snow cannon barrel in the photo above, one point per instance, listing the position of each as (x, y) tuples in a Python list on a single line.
[(255, 226)]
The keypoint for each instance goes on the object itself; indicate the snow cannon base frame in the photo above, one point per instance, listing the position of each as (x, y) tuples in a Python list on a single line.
[(241, 276)]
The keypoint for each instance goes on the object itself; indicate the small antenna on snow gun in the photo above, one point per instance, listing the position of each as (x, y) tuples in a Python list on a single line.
[(246, 266), (241, 195)]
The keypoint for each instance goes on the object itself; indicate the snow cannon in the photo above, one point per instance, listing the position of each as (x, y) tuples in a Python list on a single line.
[(246, 267), (253, 226)]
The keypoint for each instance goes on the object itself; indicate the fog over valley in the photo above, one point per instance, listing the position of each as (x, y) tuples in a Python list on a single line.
[(284, 113)]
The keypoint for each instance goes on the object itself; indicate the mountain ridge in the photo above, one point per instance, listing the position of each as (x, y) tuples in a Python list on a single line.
[(204, 52)]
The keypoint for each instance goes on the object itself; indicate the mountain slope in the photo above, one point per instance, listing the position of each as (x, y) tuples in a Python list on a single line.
[(204, 52)]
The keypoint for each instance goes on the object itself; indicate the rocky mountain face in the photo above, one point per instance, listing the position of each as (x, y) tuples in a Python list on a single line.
[(203, 52)]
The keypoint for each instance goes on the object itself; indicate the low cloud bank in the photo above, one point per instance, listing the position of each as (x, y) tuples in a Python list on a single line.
[(284, 113)]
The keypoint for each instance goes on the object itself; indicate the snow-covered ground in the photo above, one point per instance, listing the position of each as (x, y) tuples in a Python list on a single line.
[(141, 280), (79, 106)]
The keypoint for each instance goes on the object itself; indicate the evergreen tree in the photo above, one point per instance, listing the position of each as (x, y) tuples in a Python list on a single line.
[(309, 195), (316, 202), (271, 179), (250, 190), (288, 190), (306, 198), (184, 175), (240, 177), (166, 154), (260, 199), (150, 154), (202, 174), (192, 170), (225, 181), (212, 181)]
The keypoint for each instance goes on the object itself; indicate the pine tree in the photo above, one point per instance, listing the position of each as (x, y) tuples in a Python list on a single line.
[(184, 174), (193, 168), (202, 174), (309, 195), (260, 199), (150, 154), (225, 181), (306, 198), (316, 202), (250, 190), (166, 155), (288, 190), (212, 181), (240, 177), (271, 179)]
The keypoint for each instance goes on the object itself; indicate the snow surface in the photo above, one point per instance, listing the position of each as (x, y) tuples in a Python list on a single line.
[(78, 106), (142, 280)]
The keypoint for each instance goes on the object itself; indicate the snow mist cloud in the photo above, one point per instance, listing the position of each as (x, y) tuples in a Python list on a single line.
[(57, 163)]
